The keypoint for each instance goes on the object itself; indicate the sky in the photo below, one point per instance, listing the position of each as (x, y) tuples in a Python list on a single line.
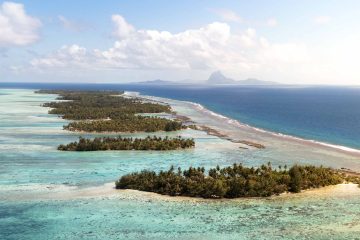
[(287, 41)]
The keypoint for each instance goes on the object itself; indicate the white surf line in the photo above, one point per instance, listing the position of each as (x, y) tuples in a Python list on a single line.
[(237, 123)]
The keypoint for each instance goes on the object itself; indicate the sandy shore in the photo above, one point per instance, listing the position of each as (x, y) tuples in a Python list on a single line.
[(108, 191), (240, 132)]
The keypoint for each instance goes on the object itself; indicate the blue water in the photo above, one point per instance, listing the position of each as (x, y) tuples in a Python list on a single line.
[(49, 194), (327, 114)]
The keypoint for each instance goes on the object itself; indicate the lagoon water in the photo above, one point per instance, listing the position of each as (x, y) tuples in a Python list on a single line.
[(47, 194)]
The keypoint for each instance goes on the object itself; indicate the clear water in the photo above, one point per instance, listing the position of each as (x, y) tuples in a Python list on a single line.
[(327, 114), (310, 217), (47, 194)]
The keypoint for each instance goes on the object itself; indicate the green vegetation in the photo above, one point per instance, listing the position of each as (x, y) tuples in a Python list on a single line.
[(120, 143), (108, 111), (232, 182), (128, 124)]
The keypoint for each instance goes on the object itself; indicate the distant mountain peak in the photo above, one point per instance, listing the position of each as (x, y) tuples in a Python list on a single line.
[(218, 77)]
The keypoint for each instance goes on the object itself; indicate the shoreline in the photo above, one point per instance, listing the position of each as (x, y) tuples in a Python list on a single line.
[(204, 128), (278, 134), (108, 191), (213, 132), (284, 196), (243, 126)]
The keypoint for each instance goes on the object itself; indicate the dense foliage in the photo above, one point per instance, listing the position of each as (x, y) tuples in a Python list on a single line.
[(108, 112), (80, 105), (120, 143), (131, 124), (231, 182)]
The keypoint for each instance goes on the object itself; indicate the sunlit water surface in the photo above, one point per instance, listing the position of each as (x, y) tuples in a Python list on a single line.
[(41, 188)]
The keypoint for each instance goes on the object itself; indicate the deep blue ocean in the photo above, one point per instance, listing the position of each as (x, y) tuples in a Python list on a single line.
[(327, 114)]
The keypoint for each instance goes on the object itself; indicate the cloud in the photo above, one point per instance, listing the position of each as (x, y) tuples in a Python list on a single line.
[(213, 46), (227, 15), (321, 20), (16, 27), (72, 25), (122, 28), (66, 56)]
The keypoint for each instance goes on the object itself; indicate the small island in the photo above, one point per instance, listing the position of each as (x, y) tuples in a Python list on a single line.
[(120, 143), (233, 182), (129, 123), (109, 111)]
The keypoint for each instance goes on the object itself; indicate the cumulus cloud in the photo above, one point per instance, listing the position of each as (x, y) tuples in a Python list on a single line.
[(16, 27), (213, 46), (66, 56), (122, 28)]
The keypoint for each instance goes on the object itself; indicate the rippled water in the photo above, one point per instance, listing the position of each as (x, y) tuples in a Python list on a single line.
[(41, 188)]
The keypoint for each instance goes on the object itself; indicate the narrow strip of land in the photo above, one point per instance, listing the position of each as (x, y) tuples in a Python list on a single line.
[(120, 143)]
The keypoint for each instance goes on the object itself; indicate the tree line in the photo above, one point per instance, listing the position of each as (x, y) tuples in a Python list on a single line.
[(108, 111), (121, 143), (232, 182), (131, 124)]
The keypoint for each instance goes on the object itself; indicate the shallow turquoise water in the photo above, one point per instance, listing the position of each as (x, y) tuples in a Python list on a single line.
[(39, 189), (307, 217)]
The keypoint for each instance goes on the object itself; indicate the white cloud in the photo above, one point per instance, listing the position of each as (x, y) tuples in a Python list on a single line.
[(227, 15), (66, 56), (321, 20), (72, 25), (122, 28), (16, 27), (211, 47)]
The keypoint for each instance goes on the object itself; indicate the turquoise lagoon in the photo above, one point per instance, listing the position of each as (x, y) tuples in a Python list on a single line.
[(47, 194)]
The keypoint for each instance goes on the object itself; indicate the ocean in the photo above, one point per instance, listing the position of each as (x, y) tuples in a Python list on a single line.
[(326, 114), (49, 194)]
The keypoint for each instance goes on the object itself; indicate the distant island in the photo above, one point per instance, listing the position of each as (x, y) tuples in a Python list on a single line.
[(157, 82), (233, 182), (216, 78)]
